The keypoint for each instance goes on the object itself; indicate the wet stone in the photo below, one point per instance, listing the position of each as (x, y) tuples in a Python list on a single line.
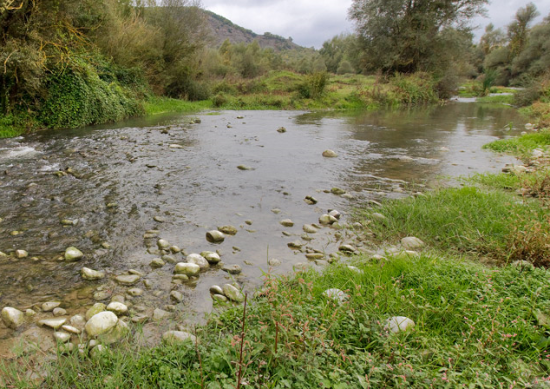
[(233, 293), (101, 295), (198, 260), (62, 336), (219, 298), (215, 289), (89, 274), (73, 254), (229, 230), (274, 262), (215, 236), (118, 309), (20, 254), (310, 228), (53, 323), (157, 263), (135, 292), (189, 269), (159, 314), (163, 244), (329, 154), (296, 245), (311, 200), (71, 329), (232, 269), (176, 296), (287, 223), (212, 257), (50, 306), (337, 191), (94, 310), (101, 323), (59, 312), (127, 280), (12, 318)]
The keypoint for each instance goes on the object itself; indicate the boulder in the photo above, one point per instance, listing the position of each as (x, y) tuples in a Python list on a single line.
[(215, 236), (233, 293)]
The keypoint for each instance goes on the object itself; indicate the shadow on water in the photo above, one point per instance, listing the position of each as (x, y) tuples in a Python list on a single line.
[(113, 181)]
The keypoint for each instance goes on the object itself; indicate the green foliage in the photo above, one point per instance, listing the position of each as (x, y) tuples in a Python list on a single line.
[(313, 86), (521, 146)]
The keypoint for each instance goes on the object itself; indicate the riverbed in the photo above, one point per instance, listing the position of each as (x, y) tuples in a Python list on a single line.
[(175, 177)]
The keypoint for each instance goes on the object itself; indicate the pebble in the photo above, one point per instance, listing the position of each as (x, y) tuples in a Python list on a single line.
[(62, 336), (327, 219), (163, 244), (73, 254), (135, 292), (215, 289), (159, 314), (198, 260), (229, 230), (219, 298), (157, 263), (311, 200), (20, 254), (329, 154), (412, 243), (101, 323), (233, 293), (215, 236), (189, 269), (128, 280), (89, 274), (310, 228), (71, 329), (296, 245), (287, 223), (53, 323), (274, 262), (59, 312), (212, 257), (118, 309)]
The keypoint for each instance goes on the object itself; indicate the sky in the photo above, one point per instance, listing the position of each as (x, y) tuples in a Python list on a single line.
[(312, 22)]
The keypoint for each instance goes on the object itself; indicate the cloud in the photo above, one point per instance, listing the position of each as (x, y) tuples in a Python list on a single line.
[(311, 22)]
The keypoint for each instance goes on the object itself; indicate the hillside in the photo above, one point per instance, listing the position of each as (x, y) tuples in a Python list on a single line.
[(223, 29)]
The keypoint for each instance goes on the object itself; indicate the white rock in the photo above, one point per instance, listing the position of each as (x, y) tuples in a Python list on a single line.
[(59, 312), (233, 293), (118, 309), (73, 254), (61, 336), (163, 244), (212, 257), (13, 318), (71, 329), (336, 295), (327, 219), (412, 243), (310, 228), (89, 274), (335, 213), (21, 254), (101, 323), (329, 154), (215, 236), (215, 289), (128, 280), (178, 337), (287, 223), (53, 323), (399, 323), (114, 335), (78, 321), (50, 306), (94, 310), (189, 269), (198, 260)]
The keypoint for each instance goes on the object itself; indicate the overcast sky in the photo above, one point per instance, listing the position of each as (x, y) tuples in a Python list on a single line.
[(311, 22)]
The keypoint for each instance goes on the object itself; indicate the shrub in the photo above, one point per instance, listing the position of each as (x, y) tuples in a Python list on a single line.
[(313, 86)]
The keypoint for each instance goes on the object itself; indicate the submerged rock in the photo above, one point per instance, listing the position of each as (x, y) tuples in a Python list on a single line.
[(311, 200), (229, 230), (215, 289), (327, 219), (127, 280), (73, 254), (310, 228), (50, 306), (12, 318), (89, 274), (337, 191), (232, 269)]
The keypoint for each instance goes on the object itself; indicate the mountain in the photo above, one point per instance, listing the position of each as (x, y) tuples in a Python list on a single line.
[(222, 29)]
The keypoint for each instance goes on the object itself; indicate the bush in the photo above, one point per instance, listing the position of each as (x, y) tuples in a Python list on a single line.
[(313, 86)]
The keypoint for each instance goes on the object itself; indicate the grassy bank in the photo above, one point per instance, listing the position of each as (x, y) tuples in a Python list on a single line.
[(475, 327)]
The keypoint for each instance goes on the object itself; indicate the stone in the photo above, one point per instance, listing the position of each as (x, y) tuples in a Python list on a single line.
[(336, 295), (12, 318), (101, 295), (296, 245), (178, 337), (399, 323), (244, 167), (20, 254), (175, 249), (89, 274), (61, 336), (228, 230), (180, 277), (337, 191), (78, 321), (327, 219), (412, 243), (198, 260), (101, 323), (189, 269), (287, 223), (163, 244), (274, 262), (114, 335), (94, 310), (281, 130), (176, 296), (215, 289), (30, 313), (73, 254), (127, 280), (233, 293), (346, 248), (118, 299), (329, 154), (315, 256), (53, 323), (169, 259), (71, 329), (335, 213), (157, 263), (379, 217), (310, 228), (311, 200), (159, 314), (212, 257), (219, 298), (118, 309), (135, 292), (232, 269), (215, 236), (59, 312), (50, 306)]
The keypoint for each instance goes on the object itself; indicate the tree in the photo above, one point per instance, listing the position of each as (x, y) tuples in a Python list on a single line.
[(519, 28), (409, 35)]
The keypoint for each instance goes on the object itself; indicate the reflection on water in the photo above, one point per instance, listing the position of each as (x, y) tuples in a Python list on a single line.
[(115, 180)]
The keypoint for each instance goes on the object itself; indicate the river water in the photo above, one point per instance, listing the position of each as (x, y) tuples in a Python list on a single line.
[(183, 169)]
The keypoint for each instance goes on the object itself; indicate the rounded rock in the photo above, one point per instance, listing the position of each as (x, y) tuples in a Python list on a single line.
[(412, 243), (89, 274), (215, 289), (198, 260), (189, 269), (127, 280), (101, 323), (215, 236), (329, 154), (233, 293), (163, 244), (399, 323), (13, 318), (228, 230), (287, 223), (73, 254), (50, 306), (232, 269), (118, 309), (212, 257)]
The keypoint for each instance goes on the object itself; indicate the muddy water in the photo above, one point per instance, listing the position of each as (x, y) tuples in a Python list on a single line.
[(185, 171)]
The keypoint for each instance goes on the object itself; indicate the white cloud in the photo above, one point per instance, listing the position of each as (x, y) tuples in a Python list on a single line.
[(311, 22)]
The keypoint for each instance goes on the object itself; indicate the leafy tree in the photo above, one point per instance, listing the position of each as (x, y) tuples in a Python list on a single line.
[(518, 30), (410, 35)]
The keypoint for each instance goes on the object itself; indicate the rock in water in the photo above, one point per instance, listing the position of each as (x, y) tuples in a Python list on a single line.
[(215, 236), (189, 269), (73, 254), (198, 260), (212, 257), (399, 323), (412, 243), (101, 323), (178, 337), (229, 230), (287, 223), (233, 293), (329, 154), (13, 318), (89, 274), (128, 280)]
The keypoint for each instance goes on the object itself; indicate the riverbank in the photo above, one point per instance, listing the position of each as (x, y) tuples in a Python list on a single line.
[(475, 323)]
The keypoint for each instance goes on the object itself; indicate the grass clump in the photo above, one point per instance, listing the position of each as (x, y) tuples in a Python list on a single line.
[(475, 327), (521, 146), (470, 220), (156, 105)]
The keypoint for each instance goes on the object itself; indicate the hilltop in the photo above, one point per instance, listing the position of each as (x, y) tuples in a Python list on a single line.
[(223, 29)]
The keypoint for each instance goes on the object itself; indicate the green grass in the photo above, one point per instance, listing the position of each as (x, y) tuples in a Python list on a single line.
[(476, 327), (506, 99), (12, 126), (521, 146), (470, 220), (157, 105)]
